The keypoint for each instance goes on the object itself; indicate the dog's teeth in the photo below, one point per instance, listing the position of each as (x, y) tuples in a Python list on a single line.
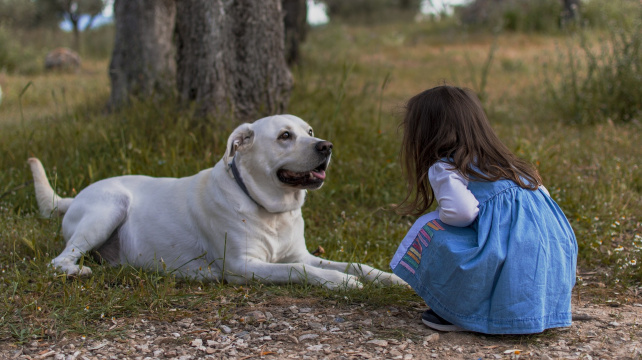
[(311, 175)]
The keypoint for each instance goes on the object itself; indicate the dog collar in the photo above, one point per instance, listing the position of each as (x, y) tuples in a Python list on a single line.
[(239, 180)]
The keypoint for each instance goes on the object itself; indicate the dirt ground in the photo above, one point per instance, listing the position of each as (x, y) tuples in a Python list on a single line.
[(285, 328)]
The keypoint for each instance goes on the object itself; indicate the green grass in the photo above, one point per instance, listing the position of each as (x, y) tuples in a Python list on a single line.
[(350, 89)]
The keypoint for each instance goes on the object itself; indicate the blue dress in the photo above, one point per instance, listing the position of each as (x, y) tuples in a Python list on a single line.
[(510, 272)]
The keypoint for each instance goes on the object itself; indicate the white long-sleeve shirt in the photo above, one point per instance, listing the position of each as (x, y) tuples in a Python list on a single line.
[(457, 206)]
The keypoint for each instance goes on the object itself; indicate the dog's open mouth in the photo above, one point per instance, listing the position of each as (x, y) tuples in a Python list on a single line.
[(306, 179)]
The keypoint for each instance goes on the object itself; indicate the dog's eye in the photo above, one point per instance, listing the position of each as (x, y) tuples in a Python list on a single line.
[(311, 132), (284, 136)]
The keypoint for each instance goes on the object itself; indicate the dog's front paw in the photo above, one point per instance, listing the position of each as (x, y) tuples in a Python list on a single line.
[(71, 269), (391, 279), (349, 282), (353, 282), (384, 278)]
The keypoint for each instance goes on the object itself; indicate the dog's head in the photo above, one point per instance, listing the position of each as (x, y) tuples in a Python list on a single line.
[(278, 158)]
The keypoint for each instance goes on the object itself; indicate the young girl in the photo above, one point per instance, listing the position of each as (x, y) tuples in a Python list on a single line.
[(497, 256)]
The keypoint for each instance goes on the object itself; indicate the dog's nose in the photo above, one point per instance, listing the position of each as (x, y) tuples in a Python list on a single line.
[(324, 147)]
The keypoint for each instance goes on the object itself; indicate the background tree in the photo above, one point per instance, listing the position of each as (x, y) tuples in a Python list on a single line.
[(230, 57), (295, 27), (142, 61), (72, 11), (570, 12)]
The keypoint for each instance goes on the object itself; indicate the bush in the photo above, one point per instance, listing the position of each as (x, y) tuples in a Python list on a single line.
[(532, 16), (97, 43), (18, 13), (372, 11), (22, 51), (597, 85), (600, 14), (541, 16), (16, 58)]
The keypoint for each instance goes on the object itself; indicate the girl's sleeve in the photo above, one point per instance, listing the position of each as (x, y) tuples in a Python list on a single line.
[(544, 190), (457, 205)]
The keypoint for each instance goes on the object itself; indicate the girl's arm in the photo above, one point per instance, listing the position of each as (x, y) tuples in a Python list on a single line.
[(457, 205)]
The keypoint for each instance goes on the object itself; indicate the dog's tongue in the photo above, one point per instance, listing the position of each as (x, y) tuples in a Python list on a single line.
[(319, 174)]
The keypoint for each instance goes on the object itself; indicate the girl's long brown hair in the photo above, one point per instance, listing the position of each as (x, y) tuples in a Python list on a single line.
[(448, 122)]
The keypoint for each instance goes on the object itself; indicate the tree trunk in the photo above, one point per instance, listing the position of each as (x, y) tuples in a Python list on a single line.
[(296, 28), (230, 57), (76, 32), (142, 62), (570, 12)]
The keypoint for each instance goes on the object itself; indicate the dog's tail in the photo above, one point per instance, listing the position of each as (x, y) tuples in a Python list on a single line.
[(49, 203)]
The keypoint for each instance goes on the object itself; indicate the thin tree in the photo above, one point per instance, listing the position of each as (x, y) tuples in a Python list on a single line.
[(72, 11), (295, 28)]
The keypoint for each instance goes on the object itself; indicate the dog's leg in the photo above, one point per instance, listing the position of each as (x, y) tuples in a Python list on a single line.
[(361, 270), (88, 227), (245, 270)]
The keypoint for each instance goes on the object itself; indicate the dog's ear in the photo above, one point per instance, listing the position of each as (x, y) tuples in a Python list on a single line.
[(240, 139)]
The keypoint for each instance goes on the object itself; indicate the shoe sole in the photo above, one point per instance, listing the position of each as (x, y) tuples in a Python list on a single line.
[(445, 328)]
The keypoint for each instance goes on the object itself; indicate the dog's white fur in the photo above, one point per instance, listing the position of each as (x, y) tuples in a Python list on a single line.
[(205, 226)]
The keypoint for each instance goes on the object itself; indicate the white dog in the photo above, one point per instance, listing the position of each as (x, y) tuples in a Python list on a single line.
[(239, 220)]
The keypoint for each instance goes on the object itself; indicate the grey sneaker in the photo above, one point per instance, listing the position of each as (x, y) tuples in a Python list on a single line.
[(434, 321)]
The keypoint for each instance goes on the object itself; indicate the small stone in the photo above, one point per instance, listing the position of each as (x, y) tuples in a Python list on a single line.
[(396, 353), (382, 343), (294, 309), (432, 338), (226, 329), (305, 310), (185, 323), (197, 343), (308, 337), (210, 351), (211, 343), (318, 347), (257, 315), (316, 326)]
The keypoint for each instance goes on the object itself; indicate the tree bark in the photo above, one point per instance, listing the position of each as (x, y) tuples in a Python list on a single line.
[(230, 57), (76, 32), (296, 28), (142, 62)]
